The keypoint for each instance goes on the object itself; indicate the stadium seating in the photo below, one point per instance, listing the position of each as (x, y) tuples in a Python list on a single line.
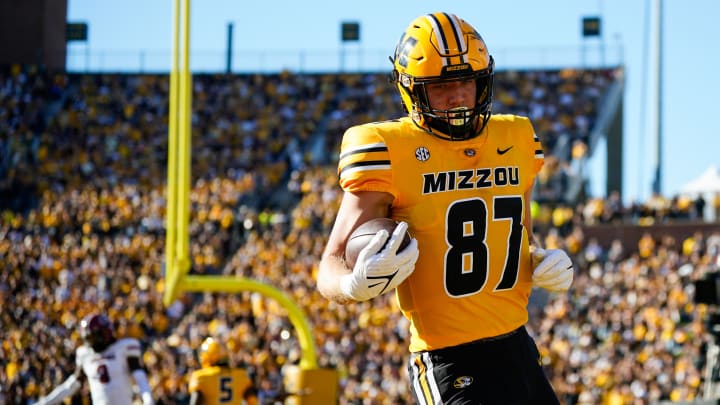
[(82, 169)]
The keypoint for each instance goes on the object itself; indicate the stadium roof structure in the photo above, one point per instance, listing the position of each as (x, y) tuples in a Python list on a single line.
[(708, 182)]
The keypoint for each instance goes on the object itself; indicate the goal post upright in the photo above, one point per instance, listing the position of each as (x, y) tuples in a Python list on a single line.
[(307, 381)]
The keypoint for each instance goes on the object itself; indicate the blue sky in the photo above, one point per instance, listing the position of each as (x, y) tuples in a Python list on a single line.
[(136, 35)]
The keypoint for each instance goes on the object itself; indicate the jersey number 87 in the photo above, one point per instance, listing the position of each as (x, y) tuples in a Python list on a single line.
[(472, 242)]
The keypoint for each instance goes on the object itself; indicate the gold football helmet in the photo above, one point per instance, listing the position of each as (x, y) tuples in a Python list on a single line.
[(211, 353), (436, 48)]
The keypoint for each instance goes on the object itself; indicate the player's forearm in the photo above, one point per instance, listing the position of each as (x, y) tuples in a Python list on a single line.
[(196, 398), (331, 270), (62, 391), (143, 386)]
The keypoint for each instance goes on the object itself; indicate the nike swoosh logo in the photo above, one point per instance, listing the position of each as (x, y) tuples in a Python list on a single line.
[(503, 151), (386, 279)]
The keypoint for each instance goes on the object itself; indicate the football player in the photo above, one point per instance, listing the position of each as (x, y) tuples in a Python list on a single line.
[(460, 180), (218, 383), (110, 366)]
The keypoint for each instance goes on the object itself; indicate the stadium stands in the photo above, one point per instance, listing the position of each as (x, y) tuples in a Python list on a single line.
[(82, 169)]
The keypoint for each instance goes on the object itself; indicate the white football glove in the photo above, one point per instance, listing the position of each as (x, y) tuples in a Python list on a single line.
[(553, 269), (377, 269)]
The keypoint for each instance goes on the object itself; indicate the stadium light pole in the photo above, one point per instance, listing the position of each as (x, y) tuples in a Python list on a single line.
[(602, 34), (657, 181), (229, 52)]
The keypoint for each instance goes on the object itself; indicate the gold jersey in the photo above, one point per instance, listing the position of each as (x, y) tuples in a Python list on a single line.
[(464, 203), (220, 385)]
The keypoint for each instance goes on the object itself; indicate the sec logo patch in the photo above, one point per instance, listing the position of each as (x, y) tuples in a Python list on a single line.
[(422, 154)]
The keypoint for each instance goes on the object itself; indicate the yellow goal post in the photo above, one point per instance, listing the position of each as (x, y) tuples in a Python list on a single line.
[(177, 215)]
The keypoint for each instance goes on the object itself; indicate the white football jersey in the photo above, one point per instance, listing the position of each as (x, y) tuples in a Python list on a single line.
[(111, 381)]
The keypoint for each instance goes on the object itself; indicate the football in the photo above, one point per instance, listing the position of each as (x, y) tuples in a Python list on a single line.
[(362, 235)]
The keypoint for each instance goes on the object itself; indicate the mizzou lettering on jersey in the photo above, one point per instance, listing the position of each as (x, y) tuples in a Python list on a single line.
[(470, 179), (464, 202)]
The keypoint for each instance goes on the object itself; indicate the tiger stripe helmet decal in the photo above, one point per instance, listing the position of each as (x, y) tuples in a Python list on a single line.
[(436, 48)]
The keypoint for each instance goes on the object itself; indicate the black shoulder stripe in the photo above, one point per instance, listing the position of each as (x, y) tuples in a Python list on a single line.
[(368, 149), (365, 164)]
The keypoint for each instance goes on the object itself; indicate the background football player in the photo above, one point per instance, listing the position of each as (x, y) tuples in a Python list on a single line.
[(218, 383), (460, 179), (110, 366)]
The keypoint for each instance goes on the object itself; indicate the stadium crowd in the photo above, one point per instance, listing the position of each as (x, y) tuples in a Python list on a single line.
[(82, 204)]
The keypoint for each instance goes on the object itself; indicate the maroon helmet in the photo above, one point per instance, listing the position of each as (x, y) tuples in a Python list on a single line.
[(97, 331)]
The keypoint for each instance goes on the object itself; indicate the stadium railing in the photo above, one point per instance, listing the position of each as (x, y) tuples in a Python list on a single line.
[(353, 58)]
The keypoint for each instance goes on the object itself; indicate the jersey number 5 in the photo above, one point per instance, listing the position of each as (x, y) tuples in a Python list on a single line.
[(467, 228), (226, 390)]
